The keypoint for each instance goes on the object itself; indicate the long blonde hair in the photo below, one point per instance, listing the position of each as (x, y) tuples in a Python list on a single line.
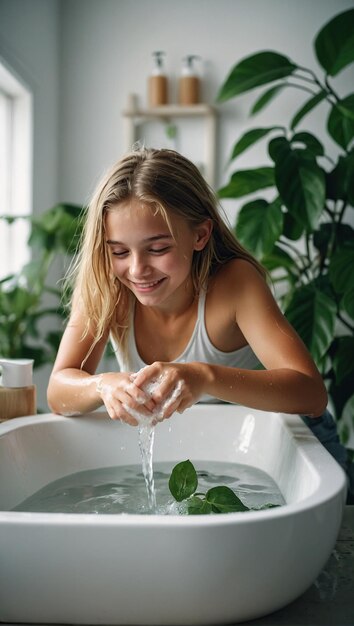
[(168, 182)]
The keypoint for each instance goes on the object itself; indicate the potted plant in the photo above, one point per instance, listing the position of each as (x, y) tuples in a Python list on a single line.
[(310, 199), (22, 307)]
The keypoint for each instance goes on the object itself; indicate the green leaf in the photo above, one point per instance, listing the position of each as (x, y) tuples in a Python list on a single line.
[(224, 500), (322, 237), (348, 302), (313, 314), (334, 44), (250, 138), (293, 229), (343, 362), (266, 97), (183, 480), (309, 141), (340, 125), (340, 392), (198, 506), (245, 182), (341, 268), (279, 258), (300, 181), (254, 71), (340, 181), (259, 225), (307, 107)]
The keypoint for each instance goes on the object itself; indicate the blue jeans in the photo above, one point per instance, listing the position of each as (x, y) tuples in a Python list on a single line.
[(325, 429)]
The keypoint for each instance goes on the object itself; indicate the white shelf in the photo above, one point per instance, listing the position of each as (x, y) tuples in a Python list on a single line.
[(135, 115)]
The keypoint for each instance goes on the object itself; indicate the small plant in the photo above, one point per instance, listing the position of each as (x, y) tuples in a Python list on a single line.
[(183, 485), (310, 197), (22, 309)]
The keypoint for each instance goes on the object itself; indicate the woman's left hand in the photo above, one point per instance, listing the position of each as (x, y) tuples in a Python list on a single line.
[(179, 386)]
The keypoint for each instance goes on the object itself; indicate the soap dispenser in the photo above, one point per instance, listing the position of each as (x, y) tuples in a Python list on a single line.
[(17, 392), (188, 88), (158, 83)]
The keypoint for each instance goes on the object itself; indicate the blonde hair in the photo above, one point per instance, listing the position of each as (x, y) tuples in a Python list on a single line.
[(168, 182)]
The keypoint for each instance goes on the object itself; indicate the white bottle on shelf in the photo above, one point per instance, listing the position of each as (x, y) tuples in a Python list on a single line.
[(189, 83), (158, 82)]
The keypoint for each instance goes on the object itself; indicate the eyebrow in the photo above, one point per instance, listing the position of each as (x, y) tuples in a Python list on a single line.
[(147, 240)]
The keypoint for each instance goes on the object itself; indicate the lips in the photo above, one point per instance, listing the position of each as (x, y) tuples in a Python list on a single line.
[(146, 286)]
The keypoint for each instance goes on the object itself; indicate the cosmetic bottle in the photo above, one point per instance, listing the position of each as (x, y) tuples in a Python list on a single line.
[(189, 84), (17, 392), (158, 83)]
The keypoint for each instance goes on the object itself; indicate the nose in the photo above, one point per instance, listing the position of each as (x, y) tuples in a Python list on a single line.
[(138, 266)]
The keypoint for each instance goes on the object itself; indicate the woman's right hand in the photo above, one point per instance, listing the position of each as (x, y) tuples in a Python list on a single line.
[(119, 394)]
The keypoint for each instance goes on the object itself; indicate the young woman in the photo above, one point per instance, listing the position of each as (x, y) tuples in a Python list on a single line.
[(161, 275)]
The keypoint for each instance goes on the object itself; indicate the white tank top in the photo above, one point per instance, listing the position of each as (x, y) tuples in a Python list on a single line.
[(199, 348)]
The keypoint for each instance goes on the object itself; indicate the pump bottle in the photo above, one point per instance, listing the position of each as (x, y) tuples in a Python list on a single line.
[(158, 83), (188, 88), (17, 393)]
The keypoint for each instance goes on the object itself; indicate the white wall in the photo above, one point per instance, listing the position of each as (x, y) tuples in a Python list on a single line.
[(29, 44), (83, 57), (106, 54)]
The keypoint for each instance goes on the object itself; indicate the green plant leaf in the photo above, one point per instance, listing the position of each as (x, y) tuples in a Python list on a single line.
[(224, 500), (340, 393), (254, 71), (293, 229), (341, 268), (313, 314), (183, 480), (266, 97), (244, 182), (300, 181), (343, 362), (249, 138), (334, 44), (259, 225), (348, 302), (340, 181), (340, 124), (309, 141), (307, 107), (279, 258), (198, 506), (343, 233)]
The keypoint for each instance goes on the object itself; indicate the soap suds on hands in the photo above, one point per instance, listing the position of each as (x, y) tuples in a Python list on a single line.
[(158, 413)]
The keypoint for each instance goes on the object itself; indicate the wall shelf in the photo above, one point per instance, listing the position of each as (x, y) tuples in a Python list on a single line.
[(135, 115)]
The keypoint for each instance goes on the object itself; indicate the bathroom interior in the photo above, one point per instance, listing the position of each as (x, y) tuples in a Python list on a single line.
[(85, 79)]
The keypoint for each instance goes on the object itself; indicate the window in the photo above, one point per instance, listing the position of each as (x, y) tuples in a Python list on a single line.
[(15, 170)]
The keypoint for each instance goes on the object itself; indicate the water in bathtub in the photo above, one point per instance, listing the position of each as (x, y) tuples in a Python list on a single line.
[(122, 489)]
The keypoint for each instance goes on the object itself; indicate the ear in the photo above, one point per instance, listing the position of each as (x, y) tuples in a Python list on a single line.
[(202, 234)]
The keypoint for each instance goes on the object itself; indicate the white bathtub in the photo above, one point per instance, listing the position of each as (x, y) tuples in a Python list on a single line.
[(160, 570)]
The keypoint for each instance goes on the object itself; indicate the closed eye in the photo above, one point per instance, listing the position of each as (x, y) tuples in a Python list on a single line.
[(160, 250)]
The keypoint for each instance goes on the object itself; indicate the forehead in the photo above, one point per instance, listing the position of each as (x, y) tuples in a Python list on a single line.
[(135, 216)]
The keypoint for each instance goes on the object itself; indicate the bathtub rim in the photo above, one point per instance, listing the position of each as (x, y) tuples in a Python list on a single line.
[(332, 486)]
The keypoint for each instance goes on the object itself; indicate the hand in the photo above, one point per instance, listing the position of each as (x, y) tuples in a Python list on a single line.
[(179, 386), (120, 393)]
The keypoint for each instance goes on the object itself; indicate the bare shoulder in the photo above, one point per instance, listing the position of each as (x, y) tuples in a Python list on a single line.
[(237, 278)]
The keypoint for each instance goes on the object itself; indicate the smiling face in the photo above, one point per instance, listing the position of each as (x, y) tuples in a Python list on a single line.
[(146, 257)]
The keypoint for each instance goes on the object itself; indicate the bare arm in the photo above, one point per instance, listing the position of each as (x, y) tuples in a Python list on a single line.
[(74, 388), (290, 382)]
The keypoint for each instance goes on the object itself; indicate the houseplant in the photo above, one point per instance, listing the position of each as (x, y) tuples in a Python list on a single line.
[(31, 309), (302, 231)]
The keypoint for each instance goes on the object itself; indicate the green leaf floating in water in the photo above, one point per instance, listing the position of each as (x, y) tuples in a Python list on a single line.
[(183, 484), (183, 481), (224, 500)]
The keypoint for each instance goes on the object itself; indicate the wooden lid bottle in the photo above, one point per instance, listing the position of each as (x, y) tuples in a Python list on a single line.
[(17, 393), (157, 82), (188, 86)]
